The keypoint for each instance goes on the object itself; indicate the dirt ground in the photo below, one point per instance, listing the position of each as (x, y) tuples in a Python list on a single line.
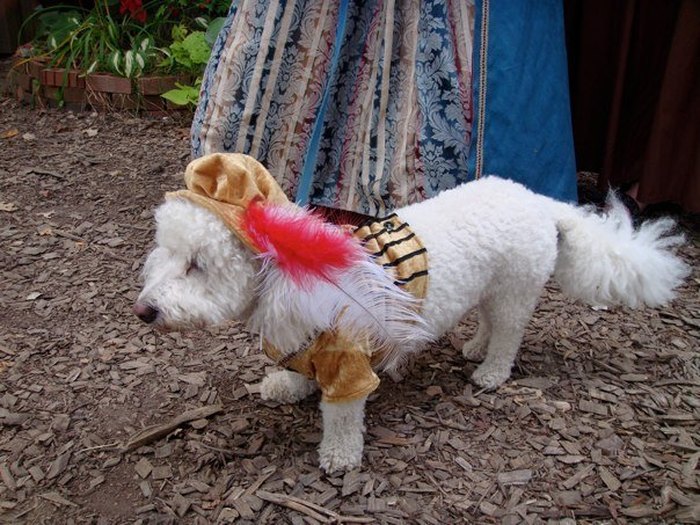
[(599, 423)]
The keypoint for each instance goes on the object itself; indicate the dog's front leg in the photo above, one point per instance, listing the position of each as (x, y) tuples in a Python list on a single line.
[(343, 440), (285, 386)]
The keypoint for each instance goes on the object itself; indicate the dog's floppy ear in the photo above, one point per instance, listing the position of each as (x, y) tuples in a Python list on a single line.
[(301, 244)]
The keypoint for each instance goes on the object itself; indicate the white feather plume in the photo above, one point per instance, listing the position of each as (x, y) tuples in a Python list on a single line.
[(362, 302)]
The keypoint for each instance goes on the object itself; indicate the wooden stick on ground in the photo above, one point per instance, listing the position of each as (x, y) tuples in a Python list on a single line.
[(153, 433), (310, 509)]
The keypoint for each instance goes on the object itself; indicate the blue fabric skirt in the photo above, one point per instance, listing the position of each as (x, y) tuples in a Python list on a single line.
[(371, 105)]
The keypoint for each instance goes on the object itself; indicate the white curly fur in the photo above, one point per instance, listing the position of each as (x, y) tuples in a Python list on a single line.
[(343, 439), (491, 243), (285, 386)]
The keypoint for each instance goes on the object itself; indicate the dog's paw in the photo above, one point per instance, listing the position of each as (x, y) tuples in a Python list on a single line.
[(490, 376), (343, 455), (286, 387), (475, 349)]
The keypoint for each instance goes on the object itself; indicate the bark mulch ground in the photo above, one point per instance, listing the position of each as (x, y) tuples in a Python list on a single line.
[(598, 424)]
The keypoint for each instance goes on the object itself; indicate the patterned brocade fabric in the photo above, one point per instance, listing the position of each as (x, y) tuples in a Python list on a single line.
[(343, 367), (362, 105)]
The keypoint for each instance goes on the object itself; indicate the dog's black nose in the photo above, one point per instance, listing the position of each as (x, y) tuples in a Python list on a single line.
[(146, 313)]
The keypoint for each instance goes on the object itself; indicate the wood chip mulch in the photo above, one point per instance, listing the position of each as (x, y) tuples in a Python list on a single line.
[(104, 421)]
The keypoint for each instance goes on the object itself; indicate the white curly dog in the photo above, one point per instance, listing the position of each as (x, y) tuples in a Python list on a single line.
[(492, 244)]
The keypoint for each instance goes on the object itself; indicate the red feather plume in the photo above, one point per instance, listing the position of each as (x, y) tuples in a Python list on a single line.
[(302, 245)]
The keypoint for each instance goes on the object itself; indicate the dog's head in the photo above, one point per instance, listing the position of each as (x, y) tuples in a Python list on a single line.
[(199, 273)]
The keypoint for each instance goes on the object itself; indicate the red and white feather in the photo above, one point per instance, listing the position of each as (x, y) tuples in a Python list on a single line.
[(300, 243), (318, 277)]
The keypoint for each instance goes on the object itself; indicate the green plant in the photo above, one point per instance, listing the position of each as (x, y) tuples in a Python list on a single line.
[(124, 36), (188, 10), (131, 38), (56, 26), (184, 95), (94, 40), (190, 53)]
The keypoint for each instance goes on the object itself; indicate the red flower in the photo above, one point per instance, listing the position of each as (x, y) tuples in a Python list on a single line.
[(135, 8)]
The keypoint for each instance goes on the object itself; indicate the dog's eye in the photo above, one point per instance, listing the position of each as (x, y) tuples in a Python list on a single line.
[(192, 267)]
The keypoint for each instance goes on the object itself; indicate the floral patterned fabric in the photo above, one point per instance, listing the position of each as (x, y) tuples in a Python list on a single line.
[(351, 104), (369, 105)]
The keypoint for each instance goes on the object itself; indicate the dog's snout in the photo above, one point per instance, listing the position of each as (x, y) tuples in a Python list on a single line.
[(146, 313)]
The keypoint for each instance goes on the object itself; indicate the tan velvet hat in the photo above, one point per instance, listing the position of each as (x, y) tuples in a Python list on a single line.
[(226, 183)]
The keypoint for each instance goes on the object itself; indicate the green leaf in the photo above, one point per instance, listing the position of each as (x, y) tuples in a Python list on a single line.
[(112, 32), (201, 22), (214, 29), (197, 47), (183, 95), (128, 63), (180, 55), (178, 33), (168, 62), (115, 62), (140, 60), (177, 96), (86, 49), (60, 24)]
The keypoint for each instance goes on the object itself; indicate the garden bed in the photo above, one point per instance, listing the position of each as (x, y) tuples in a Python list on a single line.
[(35, 83), (123, 55)]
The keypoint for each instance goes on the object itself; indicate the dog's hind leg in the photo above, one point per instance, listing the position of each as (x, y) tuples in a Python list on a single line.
[(285, 386), (475, 348), (508, 314), (343, 440)]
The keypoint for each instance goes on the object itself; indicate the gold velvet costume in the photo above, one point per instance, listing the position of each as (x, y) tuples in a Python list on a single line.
[(226, 183), (343, 367)]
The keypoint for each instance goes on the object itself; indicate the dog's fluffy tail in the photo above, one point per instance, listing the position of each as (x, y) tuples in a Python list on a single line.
[(603, 260)]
